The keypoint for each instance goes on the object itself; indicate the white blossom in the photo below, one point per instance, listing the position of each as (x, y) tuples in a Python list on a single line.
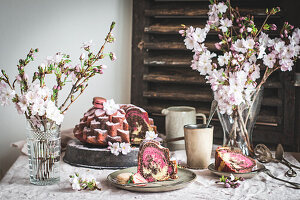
[(110, 107), (114, 148), (225, 24), (269, 60), (6, 94), (125, 148), (150, 135), (222, 7), (239, 46), (248, 43)]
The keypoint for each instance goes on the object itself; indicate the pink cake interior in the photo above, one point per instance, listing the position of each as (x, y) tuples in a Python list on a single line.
[(152, 155), (135, 112), (153, 158), (238, 161)]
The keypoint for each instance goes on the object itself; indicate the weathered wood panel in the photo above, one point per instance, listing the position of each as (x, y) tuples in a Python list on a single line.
[(162, 77)]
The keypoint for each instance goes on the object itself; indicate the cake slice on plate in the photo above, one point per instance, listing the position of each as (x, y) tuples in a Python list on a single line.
[(227, 160), (154, 162)]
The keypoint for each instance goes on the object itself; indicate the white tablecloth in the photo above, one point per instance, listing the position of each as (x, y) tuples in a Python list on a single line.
[(15, 185)]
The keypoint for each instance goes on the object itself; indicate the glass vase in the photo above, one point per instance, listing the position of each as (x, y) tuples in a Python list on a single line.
[(238, 127), (43, 143)]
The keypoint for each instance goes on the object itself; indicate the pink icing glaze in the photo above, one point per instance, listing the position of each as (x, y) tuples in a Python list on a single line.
[(157, 156)]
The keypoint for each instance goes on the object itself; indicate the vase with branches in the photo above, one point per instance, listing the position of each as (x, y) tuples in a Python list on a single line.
[(234, 71), (39, 103)]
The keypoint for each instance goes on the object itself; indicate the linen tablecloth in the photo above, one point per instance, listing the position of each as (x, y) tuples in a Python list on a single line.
[(15, 185)]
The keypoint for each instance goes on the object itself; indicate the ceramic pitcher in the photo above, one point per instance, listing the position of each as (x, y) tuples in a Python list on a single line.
[(176, 118)]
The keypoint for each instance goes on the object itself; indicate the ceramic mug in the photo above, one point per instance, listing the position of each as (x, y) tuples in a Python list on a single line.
[(198, 145), (176, 118)]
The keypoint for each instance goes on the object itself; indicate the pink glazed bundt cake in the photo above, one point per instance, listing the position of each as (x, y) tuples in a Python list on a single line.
[(154, 162), (125, 123), (227, 160)]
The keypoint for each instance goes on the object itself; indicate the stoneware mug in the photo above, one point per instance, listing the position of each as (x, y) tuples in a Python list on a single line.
[(198, 145), (176, 118)]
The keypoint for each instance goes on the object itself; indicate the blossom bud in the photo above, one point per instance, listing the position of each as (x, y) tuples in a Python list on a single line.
[(281, 35), (182, 32), (278, 9), (100, 72), (218, 46), (220, 36), (82, 56), (112, 56), (241, 30), (273, 27), (77, 68), (58, 88), (54, 87)]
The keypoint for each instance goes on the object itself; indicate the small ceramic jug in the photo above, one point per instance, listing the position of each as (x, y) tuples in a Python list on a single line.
[(176, 118)]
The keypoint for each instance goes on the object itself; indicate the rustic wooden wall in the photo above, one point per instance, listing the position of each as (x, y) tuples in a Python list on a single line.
[(162, 77)]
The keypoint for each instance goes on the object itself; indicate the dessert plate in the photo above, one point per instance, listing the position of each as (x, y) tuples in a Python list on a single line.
[(259, 167), (185, 177)]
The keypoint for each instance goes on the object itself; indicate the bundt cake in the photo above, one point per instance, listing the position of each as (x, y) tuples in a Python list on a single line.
[(109, 122)]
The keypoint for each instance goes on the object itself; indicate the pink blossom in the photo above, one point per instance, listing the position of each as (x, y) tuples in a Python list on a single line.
[(182, 32), (273, 27), (73, 78), (82, 56), (18, 77), (218, 46), (286, 64)]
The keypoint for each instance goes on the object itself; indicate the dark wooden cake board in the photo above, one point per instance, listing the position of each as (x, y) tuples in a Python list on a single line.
[(82, 155)]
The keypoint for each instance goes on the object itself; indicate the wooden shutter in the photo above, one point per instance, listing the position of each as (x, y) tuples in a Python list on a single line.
[(162, 77)]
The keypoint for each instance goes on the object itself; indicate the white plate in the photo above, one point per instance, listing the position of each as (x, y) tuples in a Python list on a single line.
[(259, 167)]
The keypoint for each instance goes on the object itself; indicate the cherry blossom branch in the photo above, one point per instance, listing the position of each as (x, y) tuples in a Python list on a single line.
[(256, 93)]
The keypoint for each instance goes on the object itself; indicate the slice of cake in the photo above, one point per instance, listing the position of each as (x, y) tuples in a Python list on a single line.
[(154, 162), (228, 160), (139, 124)]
